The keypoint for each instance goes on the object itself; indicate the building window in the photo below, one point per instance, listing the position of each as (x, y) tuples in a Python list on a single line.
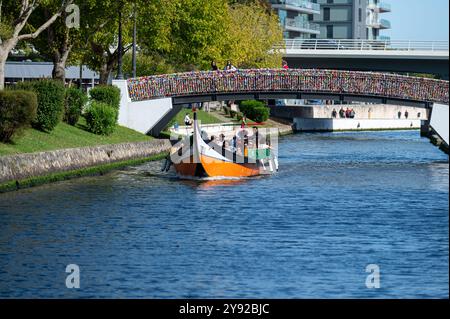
[(360, 15), (313, 36), (310, 17), (326, 14), (329, 32), (330, 1)]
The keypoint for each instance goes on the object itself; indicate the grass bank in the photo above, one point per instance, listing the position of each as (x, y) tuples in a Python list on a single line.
[(204, 117), (90, 171), (66, 136)]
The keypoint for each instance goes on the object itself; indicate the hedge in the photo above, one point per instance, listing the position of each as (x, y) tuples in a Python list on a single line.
[(73, 106), (255, 110), (101, 118), (50, 97), (106, 94), (17, 111)]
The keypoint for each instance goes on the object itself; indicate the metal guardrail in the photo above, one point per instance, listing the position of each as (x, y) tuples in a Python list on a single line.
[(372, 84), (304, 4), (369, 45), (301, 25)]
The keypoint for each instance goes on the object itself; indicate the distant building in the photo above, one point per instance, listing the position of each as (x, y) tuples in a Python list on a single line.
[(294, 18), (26, 71), (332, 19)]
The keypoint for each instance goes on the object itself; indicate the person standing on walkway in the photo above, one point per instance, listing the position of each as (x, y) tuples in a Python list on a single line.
[(214, 66), (230, 66), (334, 114), (285, 65)]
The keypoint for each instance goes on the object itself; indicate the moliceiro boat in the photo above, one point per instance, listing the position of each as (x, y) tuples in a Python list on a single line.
[(248, 153)]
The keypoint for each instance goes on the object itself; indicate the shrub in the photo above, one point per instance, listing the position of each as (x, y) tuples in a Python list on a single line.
[(255, 110), (106, 94), (50, 97), (17, 111), (73, 106), (101, 118)]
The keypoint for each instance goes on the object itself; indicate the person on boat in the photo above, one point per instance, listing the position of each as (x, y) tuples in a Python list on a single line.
[(341, 113), (244, 122), (406, 114), (256, 136), (204, 135), (245, 152), (187, 120)]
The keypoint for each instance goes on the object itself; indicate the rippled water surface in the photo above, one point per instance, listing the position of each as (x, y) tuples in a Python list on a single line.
[(341, 201)]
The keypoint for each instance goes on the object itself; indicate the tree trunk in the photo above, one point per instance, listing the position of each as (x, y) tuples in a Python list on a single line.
[(59, 64), (5, 48), (2, 72), (105, 72)]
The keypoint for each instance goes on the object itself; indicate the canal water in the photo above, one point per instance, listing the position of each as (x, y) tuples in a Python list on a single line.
[(340, 202)]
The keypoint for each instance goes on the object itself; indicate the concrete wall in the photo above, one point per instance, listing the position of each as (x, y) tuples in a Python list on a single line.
[(329, 125), (17, 167), (440, 120), (374, 111), (140, 116)]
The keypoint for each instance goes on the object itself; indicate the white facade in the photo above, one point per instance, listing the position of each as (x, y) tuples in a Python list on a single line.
[(140, 116)]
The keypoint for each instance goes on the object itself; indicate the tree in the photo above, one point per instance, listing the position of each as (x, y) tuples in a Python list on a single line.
[(252, 35), (101, 51), (13, 21), (57, 42)]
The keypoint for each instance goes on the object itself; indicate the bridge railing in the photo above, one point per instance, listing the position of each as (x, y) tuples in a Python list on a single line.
[(292, 80), (364, 45)]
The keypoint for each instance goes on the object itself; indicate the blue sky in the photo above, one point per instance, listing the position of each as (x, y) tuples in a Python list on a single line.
[(418, 19)]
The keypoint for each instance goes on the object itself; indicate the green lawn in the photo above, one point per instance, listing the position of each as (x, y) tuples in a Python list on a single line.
[(66, 136), (204, 117)]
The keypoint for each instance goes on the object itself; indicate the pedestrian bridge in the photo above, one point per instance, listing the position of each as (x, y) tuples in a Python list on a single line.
[(152, 101)]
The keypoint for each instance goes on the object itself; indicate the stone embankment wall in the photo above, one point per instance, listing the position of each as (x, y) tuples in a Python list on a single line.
[(22, 166)]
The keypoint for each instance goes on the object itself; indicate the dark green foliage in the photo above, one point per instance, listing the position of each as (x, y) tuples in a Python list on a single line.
[(50, 96), (17, 111), (73, 106), (255, 110), (106, 94), (101, 118)]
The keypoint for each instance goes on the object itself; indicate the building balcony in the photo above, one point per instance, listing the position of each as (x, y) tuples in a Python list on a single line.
[(380, 7), (301, 6), (302, 27), (380, 24)]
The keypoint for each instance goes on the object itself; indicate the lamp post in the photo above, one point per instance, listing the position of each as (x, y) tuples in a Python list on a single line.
[(119, 62), (134, 41)]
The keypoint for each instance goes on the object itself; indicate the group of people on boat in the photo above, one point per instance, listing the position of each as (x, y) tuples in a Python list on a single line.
[(239, 144)]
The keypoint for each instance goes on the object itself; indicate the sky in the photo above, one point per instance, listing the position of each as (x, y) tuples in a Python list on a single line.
[(418, 19)]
